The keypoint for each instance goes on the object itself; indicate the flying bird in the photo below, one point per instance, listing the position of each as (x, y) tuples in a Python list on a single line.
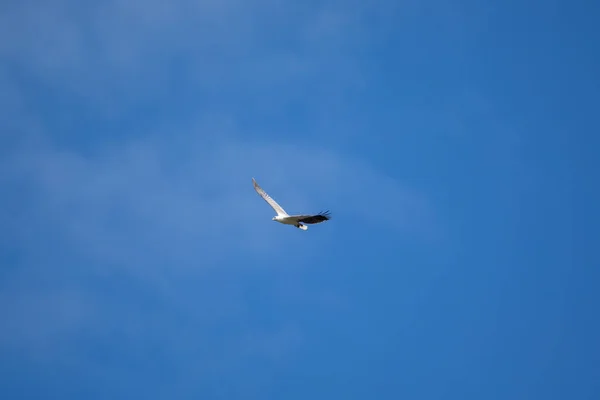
[(284, 218)]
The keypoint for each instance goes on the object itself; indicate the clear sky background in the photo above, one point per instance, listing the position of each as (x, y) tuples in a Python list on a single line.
[(455, 143)]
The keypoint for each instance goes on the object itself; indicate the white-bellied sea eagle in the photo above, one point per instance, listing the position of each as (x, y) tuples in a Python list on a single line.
[(285, 218)]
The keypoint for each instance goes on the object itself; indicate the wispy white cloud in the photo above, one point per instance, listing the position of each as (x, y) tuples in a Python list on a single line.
[(168, 197)]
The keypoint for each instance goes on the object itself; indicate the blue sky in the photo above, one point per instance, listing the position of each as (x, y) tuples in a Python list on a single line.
[(453, 143)]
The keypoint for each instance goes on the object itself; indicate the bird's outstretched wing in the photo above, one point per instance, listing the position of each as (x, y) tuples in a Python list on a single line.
[(268, 199), (313, 219)]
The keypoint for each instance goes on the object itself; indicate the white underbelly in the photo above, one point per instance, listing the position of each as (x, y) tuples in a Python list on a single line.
[(287, 220)]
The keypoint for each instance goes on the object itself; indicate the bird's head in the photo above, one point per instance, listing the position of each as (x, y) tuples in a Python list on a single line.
[(274, 218)]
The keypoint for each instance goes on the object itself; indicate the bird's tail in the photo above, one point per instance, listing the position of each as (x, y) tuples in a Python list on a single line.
[(303, 227)]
